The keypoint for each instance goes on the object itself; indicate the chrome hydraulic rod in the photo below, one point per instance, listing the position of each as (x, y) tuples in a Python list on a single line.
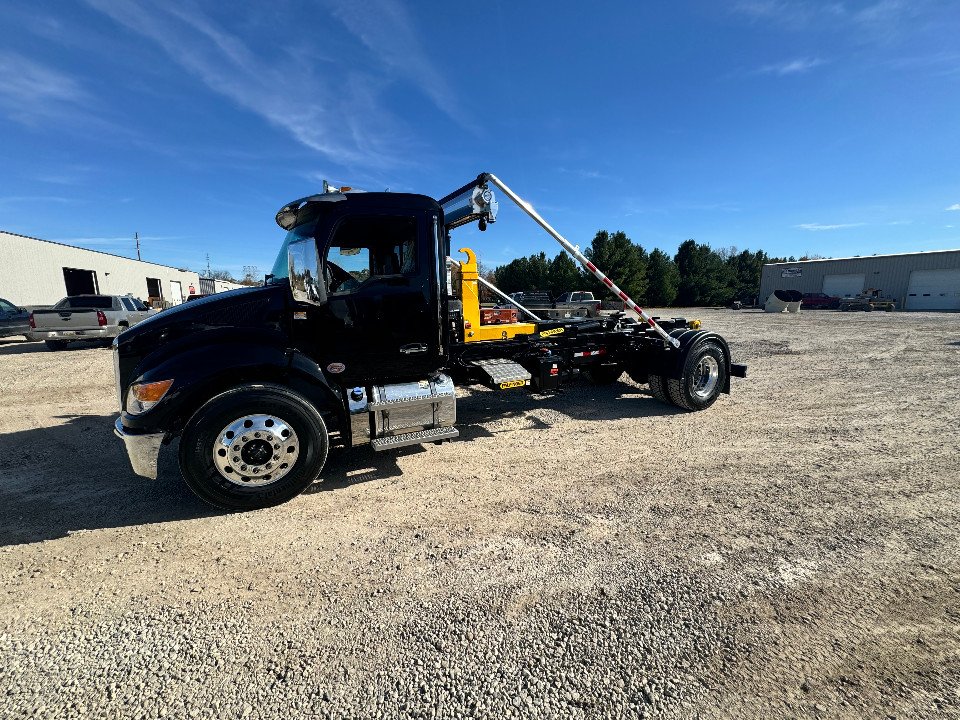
[(493, 288), (581, 258)]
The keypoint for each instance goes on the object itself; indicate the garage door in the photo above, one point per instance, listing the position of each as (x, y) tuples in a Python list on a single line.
[(934, 290), (843, 285)]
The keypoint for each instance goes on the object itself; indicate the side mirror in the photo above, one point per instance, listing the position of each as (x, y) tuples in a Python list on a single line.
[(306, 280)]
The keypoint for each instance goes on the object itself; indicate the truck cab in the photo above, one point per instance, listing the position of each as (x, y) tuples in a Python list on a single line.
[(375, 310)]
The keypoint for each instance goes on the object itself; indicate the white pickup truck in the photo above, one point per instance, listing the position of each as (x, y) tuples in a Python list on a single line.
[(86, 317)]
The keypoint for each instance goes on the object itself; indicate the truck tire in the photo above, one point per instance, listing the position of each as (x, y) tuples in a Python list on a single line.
[(253, 447), (55, 344), (703, 378), (604, 374), (658, 388)]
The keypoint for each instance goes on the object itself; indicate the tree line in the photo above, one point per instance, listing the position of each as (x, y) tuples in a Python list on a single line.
[(696, 275)]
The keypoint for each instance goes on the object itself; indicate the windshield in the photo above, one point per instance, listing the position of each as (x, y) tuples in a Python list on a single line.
[(281, 267)]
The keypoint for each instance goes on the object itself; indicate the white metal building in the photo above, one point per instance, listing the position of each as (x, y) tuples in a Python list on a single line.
[(36, 272), (917, 281)]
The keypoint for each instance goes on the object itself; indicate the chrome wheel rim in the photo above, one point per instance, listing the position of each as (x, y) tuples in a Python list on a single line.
[(705, 377), (255, 450)]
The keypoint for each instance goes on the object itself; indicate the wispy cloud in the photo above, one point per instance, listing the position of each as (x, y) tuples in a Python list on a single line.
[(31, 91), (793, 13), (386, 29), (955, 206), (818, 227), (32, 199), (585, 173), (336, 114), (796, 66), (874, 21)]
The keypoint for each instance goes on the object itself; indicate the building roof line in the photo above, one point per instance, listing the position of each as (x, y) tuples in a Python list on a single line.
[(102, 252), (862, 257)]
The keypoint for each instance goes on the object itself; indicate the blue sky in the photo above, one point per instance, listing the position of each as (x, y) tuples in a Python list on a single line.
[(795, 127)]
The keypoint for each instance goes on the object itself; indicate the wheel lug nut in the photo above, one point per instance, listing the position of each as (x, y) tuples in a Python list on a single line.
[(276, 457), (244, 438), (236, 459), (256, 434), (243, 467), (276, 446)]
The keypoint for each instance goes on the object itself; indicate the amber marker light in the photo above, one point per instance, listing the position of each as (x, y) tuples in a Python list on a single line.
[(144, 396)]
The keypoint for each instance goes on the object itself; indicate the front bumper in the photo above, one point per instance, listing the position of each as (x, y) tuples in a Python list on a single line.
[(143, 450)]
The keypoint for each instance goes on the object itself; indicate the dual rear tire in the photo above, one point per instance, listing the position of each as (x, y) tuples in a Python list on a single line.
[(703, 378)]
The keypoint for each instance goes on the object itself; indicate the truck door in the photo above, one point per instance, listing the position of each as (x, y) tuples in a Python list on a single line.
[(381, 321)]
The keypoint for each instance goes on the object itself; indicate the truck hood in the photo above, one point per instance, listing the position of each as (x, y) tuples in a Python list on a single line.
[(259, 307)]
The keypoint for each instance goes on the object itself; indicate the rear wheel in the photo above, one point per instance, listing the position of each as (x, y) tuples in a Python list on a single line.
[(55, 344), (704, 376), (658, 388), (253, 447)]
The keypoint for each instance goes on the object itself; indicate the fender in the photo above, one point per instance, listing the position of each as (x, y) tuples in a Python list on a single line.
[(208, 370), (661, 359)]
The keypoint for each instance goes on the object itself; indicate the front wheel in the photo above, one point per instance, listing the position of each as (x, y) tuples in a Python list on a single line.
[(253, 447)]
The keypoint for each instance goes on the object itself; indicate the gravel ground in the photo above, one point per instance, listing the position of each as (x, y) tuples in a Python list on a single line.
[(791, 552)]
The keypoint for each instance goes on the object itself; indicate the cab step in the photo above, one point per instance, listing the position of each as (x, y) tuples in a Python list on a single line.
[(503, 374), (415, 438)]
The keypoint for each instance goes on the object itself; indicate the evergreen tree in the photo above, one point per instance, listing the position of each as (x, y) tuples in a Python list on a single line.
[(624, 262), (705, 279), (564, 275), (662, 279)]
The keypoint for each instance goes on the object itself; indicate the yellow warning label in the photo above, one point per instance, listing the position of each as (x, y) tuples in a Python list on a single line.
[(512, 384), (548, 333)]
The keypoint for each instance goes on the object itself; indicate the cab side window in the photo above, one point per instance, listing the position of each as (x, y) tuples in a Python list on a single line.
[(128, 303), (363, 249)]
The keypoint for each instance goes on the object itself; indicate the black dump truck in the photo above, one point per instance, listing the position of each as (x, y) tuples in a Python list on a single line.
[(359, 336)]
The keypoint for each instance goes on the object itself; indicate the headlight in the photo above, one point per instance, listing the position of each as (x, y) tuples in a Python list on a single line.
[(143, 396)]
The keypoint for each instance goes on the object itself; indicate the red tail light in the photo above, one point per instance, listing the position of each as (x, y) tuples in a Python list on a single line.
[(101, 318), (33, 323)]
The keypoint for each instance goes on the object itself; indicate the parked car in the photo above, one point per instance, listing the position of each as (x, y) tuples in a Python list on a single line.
[(86, 317), (820, 301), (14, 320)]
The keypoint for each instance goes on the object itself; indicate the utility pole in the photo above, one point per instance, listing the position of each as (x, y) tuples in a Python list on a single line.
[(136, 236), (208, 265)]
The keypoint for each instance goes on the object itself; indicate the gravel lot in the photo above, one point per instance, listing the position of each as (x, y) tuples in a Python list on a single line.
[(791, 552)]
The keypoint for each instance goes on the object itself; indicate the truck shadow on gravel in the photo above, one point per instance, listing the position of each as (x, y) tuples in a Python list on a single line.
[(580, 401), (75, 476), (21, 347)]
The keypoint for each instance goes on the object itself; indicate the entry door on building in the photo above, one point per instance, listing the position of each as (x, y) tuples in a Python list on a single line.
[(843, 285), (934, 290), (176, 292), (80, 282)]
